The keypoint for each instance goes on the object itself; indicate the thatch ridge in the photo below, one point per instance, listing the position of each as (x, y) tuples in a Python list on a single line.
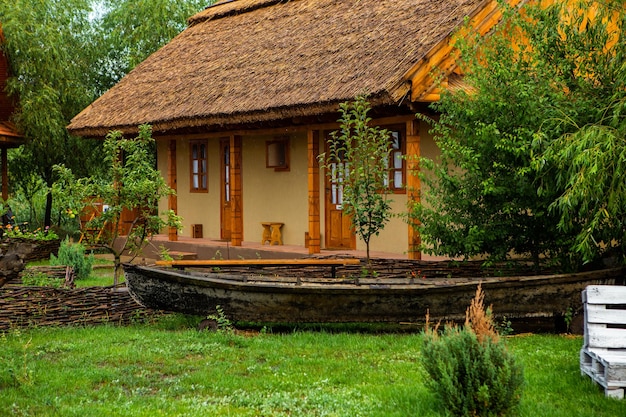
[(227, 8), (265, 59)]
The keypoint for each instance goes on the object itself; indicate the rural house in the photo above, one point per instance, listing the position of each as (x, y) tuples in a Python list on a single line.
[(242, 101)]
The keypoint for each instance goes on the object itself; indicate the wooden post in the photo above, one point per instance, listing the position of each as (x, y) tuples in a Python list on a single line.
[(314, 191), (413, 151), (172, 202), (236, 190), (5, 180)]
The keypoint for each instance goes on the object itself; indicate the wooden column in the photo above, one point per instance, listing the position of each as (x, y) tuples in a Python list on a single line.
[(236, 190), (172, 202), (413, 151), (314, 191), (5, 176)]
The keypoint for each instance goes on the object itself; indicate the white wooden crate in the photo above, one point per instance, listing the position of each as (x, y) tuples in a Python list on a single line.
[(603, 355)]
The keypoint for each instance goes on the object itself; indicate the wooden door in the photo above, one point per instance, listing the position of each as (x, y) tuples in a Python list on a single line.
[(226, 210), (339, 234)]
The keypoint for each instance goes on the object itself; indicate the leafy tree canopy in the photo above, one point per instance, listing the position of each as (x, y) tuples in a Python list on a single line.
[(63, 55), (134, 184), (537, 81)]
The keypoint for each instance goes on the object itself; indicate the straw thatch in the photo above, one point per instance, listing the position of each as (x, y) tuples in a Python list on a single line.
[(244, 62)]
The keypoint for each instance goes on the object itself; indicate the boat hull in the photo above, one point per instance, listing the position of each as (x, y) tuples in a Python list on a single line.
[(373, 300)]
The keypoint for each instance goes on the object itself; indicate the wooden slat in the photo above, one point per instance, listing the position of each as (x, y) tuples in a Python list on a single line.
[(600, 314), (601, 336), (605, 294), (258, 262)]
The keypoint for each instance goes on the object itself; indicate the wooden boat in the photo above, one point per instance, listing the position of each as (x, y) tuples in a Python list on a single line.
[(406, 297)]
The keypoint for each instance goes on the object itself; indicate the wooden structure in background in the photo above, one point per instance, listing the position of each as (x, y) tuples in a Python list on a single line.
[(9, 136)]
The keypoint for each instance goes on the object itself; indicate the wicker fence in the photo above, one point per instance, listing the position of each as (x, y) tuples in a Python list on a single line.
[(22, 306)]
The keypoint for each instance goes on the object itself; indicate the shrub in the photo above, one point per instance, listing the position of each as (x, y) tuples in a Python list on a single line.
[(73, 254), (471, 371)]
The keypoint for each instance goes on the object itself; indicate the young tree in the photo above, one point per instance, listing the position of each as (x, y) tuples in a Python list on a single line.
[(358, 160), (133, 184), (493, 192)]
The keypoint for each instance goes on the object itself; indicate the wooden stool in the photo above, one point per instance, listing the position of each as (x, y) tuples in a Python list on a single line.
[(267, 233), (272, 233)]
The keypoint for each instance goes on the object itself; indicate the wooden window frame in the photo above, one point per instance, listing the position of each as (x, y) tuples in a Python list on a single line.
[(202, 177), (400, 153), (279, 142)]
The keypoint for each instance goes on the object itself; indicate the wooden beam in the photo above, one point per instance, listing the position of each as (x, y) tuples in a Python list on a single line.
[(413, 151), (236, 190), (5, 176), (172, 201), (442, 60), (313, 151), (258, 262)]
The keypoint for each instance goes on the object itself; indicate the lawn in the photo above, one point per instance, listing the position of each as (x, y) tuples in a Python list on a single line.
[(168, 368)]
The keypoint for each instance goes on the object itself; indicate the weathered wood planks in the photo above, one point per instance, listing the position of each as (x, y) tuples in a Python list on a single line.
[(603, 355)]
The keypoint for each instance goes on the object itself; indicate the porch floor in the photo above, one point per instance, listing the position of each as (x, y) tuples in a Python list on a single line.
[(205, 248)]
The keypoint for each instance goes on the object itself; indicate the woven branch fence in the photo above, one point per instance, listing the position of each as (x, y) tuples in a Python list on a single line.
[(44, 306)]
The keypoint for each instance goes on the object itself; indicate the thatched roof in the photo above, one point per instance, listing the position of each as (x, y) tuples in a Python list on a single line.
[(253, 61)]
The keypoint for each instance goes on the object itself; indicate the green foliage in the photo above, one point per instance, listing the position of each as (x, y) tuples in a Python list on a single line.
[(471, 371), (131, 30), (73, 254), (222, 322), (22, 232), (588, 161), (512, 141), (469, 377), (133, 184), (358, 160), (40, 279), (51, 57), (62, 56)]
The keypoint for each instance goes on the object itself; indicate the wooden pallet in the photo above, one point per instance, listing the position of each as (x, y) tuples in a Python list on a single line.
[(603, 355)]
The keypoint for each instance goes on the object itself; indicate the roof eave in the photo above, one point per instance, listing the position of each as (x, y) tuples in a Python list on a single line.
[(220, 122)]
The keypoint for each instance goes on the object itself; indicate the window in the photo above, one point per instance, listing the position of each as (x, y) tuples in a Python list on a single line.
[(397, 171), (277, 154), (199, 165)]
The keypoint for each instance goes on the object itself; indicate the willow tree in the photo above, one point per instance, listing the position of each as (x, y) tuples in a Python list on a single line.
[(63, 55), (50, 52), (517, 139), (588, 161), (131, 30)]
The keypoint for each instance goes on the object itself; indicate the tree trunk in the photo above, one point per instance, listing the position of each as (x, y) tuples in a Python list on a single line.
[(47, 221)]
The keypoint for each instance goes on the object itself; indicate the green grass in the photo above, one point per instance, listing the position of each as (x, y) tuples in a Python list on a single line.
[(101, 275), (167, 368)]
